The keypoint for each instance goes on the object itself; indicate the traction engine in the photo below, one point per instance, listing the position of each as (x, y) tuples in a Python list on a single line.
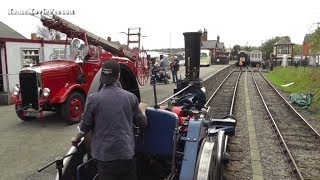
[(181, 141)]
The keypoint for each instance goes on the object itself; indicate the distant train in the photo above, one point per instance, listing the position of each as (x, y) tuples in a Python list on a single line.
[(255, 57), (245, 57)]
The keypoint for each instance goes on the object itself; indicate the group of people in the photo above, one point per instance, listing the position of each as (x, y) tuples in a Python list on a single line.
[(160, 73)]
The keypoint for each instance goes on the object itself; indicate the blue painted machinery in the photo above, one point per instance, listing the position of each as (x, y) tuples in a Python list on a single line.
[(181, 141)]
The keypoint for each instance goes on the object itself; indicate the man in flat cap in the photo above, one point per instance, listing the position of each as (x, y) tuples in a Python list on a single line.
[(110, 115)]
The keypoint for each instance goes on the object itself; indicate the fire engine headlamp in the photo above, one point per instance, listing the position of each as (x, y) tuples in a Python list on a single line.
[(46, 92), (16, 91)]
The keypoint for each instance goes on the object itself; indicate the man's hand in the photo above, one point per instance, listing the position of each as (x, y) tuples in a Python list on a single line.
[(143, 107), (75, 140)]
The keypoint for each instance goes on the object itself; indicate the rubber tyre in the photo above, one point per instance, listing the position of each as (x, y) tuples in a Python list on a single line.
[(20, 114), (72, 109)]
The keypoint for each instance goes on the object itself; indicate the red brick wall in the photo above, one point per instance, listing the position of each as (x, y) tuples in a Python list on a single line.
[(305, 49)]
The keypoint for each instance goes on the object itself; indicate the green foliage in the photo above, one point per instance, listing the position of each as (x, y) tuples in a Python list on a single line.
[(267, 46), (247, 48), (305, 80), (235, 50), (297, 49), (315, 41)]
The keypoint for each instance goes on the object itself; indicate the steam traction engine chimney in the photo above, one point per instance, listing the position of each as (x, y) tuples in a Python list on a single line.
[(192, 42)]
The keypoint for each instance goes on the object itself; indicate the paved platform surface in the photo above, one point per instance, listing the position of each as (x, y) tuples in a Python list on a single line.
[(27, 146)]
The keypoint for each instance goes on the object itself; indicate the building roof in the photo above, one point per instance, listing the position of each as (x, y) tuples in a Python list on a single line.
[(220, 45), (283, 41), (210, 44), (8, 32), (306, 38)]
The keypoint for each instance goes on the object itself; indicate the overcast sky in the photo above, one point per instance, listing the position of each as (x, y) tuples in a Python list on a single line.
[(235, 21)]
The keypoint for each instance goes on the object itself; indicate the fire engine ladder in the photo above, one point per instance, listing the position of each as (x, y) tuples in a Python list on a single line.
[(74, 31)]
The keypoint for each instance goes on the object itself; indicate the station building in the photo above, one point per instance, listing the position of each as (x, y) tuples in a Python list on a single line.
[(215, 46), (17, 52)]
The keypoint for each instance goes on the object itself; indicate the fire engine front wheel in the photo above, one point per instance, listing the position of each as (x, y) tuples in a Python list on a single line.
[(72, 109)]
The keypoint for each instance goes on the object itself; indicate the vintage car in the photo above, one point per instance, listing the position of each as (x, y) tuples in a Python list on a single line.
[(62, 85)]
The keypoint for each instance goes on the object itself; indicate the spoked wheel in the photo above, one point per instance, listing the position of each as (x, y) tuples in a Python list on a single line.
[(143, 68), (72, 109), (210, 164)]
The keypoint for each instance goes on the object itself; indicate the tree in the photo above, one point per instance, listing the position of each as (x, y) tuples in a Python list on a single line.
[(47, 34), (235, 50), (315, 41), (267, 46), (297, 50)]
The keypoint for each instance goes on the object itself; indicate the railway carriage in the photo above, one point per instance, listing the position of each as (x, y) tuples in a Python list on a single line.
[(256, 58)]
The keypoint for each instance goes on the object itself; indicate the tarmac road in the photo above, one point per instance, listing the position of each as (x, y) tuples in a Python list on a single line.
[(27, 146)]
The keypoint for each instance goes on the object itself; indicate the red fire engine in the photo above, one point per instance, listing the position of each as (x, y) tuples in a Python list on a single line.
[(62, 85)]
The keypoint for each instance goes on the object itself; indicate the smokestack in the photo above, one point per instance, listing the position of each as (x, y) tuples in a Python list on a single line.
[(192, 41), (218, 38)]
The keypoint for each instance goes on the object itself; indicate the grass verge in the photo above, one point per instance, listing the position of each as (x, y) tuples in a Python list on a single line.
[(305, 79)]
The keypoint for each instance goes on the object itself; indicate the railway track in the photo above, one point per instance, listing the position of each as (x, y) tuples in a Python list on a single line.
[(299, 140), (224, 101), (221, 101)]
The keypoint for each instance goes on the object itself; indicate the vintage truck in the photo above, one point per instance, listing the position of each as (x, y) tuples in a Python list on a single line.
[(62, 85)]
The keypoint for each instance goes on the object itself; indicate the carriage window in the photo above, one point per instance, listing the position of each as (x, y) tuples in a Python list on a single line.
[(30, 56)]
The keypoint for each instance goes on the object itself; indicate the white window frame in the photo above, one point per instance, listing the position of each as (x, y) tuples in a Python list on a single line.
[(25, 62)]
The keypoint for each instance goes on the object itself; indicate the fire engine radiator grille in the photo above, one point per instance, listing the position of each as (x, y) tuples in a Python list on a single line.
[(29, 89)]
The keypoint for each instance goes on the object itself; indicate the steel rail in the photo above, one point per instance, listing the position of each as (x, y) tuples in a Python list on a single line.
[(214, 93), (288, 152), (234, 94), (291, 107)]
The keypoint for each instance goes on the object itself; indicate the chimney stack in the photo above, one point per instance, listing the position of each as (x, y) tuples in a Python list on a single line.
[(204, 35), (58, 37), (218, 38), (34, 36)]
